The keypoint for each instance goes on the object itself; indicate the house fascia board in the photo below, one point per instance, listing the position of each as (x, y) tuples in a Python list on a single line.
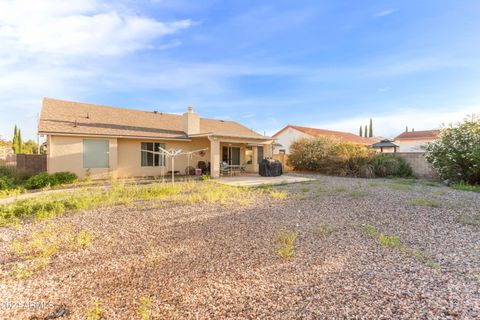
[(110, 136)]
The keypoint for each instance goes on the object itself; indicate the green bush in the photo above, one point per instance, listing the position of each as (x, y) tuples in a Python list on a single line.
[(7, 171), (456, 156), (11, 178), (43, 180), (63, 178), (6, 183), (389, 165), (329, 156)]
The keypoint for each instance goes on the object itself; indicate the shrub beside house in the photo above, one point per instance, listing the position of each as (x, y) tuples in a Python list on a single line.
[(328, 155)]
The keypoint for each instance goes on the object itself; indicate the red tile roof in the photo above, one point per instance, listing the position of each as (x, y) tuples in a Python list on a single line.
[(343, 136), (419, 135)]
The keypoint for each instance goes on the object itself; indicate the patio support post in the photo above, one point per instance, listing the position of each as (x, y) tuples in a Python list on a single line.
[(214, 157), (255, 159)]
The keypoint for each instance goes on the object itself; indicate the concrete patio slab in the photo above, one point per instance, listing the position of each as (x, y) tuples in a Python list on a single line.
[(255, 180)]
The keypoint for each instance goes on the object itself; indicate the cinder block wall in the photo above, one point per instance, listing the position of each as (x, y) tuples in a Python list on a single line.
[(421, 168), (283, 159)]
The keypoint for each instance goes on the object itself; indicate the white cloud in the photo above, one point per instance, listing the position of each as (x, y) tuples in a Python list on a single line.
[(393, 123), (385, 12), (77, 28), (64, 49)]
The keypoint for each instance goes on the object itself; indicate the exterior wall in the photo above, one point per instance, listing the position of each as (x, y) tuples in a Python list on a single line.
[(66, 154), (411, 145), (420, 167), (129, 157), (286, 138)]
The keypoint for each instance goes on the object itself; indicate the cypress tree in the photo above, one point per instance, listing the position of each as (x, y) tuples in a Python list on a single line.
[(360, 133), (366, 131), (19, 142), (406, 129), (15, 139), (370, 131)]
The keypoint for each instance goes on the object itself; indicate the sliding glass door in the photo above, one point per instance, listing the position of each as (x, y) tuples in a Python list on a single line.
[(231, 155)]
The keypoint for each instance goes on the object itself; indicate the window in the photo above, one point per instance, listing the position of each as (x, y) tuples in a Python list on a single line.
[(96, 154), (281, 151), (149, 159)]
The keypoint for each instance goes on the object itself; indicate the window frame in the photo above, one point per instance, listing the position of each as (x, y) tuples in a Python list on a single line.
[(156, 160)]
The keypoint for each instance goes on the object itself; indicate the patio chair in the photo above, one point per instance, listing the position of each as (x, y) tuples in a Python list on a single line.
[(224, 168)]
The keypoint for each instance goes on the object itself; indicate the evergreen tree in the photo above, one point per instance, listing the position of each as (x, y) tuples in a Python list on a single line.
[(406, 129), (19, 142), (370, 130), (366, 131), (15, 140), (360, 133)]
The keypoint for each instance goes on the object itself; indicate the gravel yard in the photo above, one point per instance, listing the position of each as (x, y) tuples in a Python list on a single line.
[(365, 249)]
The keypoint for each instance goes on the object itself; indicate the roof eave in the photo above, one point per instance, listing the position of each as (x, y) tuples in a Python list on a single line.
[(111, 136), (212, 134)]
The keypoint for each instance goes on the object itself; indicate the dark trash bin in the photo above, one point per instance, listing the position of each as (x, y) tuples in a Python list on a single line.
[(270, 168)]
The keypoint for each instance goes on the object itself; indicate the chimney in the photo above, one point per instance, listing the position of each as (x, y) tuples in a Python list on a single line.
[(191, 122)]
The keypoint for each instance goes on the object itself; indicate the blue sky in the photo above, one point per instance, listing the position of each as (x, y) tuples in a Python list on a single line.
[(330, 64)]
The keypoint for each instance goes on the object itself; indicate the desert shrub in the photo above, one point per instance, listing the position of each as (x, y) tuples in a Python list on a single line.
[(311, 154), (94, 311), (15, 176), (44, 179), (39, 181), (204, 177), (329, 156), (7, 171), (6, 183), (286, 243), (348, 159), (389, 165), (63, 178), (456, 155)]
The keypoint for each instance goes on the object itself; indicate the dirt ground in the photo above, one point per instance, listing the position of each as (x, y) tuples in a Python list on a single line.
[(365, 249)]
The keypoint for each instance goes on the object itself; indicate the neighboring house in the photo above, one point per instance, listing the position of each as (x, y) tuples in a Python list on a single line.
[(5, 151), (385, 146), (105, 141), (285, 137), (414, 141)]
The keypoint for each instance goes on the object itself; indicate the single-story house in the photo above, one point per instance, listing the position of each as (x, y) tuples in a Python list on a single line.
[(100, 141), (5, 152), (286, 136), (414, 141)]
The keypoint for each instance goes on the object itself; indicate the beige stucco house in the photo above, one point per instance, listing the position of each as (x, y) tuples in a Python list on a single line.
[(287, 135), (415, 141), (102, 141)]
